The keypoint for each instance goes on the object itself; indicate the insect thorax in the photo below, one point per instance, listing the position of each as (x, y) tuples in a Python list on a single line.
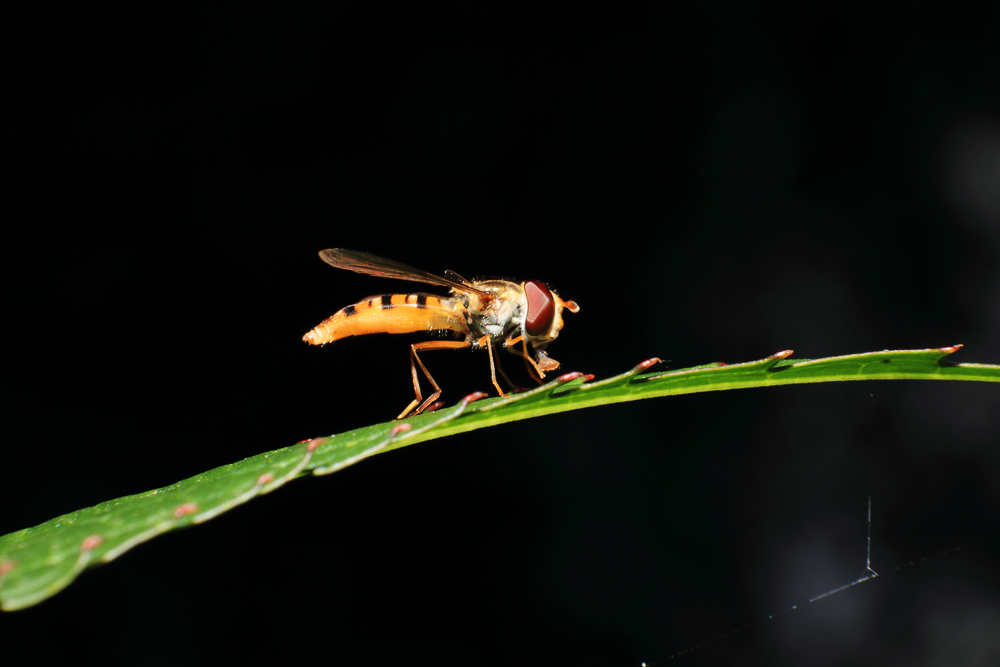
[(500, 317)]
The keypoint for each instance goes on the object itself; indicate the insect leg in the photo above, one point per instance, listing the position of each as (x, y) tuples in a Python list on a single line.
[(533, 369), (493, 371), (508, 343), (419, 403), (515, 388)]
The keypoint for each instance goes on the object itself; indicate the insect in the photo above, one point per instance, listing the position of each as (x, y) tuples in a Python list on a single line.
[(489, 313)]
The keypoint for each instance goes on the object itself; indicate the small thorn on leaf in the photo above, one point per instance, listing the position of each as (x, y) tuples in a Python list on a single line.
[(475, 396), (91, 542), (720, 364), (563, 379), (314, 444), (400, 428), (951, 349), (784, 354), (588, 377), (186, 508), (435, 406), (266, 478), (649, 363)]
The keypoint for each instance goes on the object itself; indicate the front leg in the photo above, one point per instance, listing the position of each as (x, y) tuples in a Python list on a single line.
[(508, 343), (534, 370)]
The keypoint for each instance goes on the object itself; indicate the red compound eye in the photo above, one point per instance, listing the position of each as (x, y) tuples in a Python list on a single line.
[(541, 308)]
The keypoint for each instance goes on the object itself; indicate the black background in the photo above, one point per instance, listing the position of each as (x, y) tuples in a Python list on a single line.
[(716, 184)]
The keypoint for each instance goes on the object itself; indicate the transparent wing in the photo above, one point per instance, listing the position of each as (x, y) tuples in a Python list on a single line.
[(451, 275), (373, 265)]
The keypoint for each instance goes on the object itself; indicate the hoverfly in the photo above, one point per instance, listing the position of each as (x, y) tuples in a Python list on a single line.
[(490, 314)]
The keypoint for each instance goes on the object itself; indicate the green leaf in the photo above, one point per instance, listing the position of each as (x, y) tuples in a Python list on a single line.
[(36, 563)]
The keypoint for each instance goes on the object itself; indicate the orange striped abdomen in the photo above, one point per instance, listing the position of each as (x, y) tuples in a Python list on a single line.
[(390, 313)]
